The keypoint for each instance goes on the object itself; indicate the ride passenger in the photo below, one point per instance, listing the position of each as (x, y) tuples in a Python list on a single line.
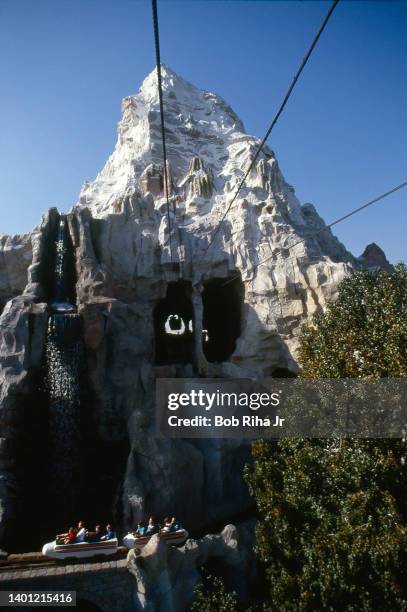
[(175, 525), (140, 531), (110, 534), (167, 525), (70, 536), (95, 536), (61, 537), (151, 527), (81, 533)]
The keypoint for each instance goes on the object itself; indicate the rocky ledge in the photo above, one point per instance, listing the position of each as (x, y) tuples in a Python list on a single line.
[(166, 577)]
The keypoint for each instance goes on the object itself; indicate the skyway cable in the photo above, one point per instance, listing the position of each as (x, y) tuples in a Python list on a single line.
[(160, 97), (276, 118), (350, 214)]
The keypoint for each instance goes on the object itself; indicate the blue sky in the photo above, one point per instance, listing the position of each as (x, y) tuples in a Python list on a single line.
[(66, 64)]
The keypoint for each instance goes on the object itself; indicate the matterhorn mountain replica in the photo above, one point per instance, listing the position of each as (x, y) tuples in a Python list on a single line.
[(97, 304)]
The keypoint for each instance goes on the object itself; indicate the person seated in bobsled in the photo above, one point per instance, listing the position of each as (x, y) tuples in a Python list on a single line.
[(152, 528), (110, 534), (81, 532), (61, 538), (95, 536), (175, 525), (140, 531), (70, 536), (167, 527)]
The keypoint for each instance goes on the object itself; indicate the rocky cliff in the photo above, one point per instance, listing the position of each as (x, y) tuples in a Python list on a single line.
[(165, 577), (141, 275)]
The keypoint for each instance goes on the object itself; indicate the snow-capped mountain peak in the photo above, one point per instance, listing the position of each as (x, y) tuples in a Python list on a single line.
[(208, 153), (198, 124)]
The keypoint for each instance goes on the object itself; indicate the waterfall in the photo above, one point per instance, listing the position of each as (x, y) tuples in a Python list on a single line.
[(61, 302), (62, 382)]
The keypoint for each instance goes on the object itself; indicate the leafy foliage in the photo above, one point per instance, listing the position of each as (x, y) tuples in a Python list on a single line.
[(211, 596), (363, 333), (333, 532)]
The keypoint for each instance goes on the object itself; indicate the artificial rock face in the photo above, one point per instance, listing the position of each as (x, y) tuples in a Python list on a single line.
[(208, 152), (165, 577), (132, 256)]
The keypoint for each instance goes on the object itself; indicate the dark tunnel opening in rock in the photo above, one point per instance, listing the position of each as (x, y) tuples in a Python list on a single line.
[(222, 317), (174, 324)]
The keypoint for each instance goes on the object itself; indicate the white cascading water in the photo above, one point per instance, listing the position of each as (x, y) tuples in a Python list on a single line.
[(63, 359)]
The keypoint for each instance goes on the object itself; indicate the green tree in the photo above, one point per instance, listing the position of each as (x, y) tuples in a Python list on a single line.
[(211, 596), (333, 532), (363, 333)]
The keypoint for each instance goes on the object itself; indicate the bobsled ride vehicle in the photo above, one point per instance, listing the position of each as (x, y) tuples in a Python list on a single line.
[(170, 537), (80, 550)]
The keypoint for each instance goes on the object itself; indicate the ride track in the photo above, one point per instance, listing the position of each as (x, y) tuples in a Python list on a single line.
[(27, 561)]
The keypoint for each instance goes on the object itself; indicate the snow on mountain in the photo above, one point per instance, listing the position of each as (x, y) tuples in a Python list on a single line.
[(208, 153), (198, 123)]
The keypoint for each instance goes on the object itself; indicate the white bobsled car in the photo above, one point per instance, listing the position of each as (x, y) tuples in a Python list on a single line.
[(80, 549), (171, 537)]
